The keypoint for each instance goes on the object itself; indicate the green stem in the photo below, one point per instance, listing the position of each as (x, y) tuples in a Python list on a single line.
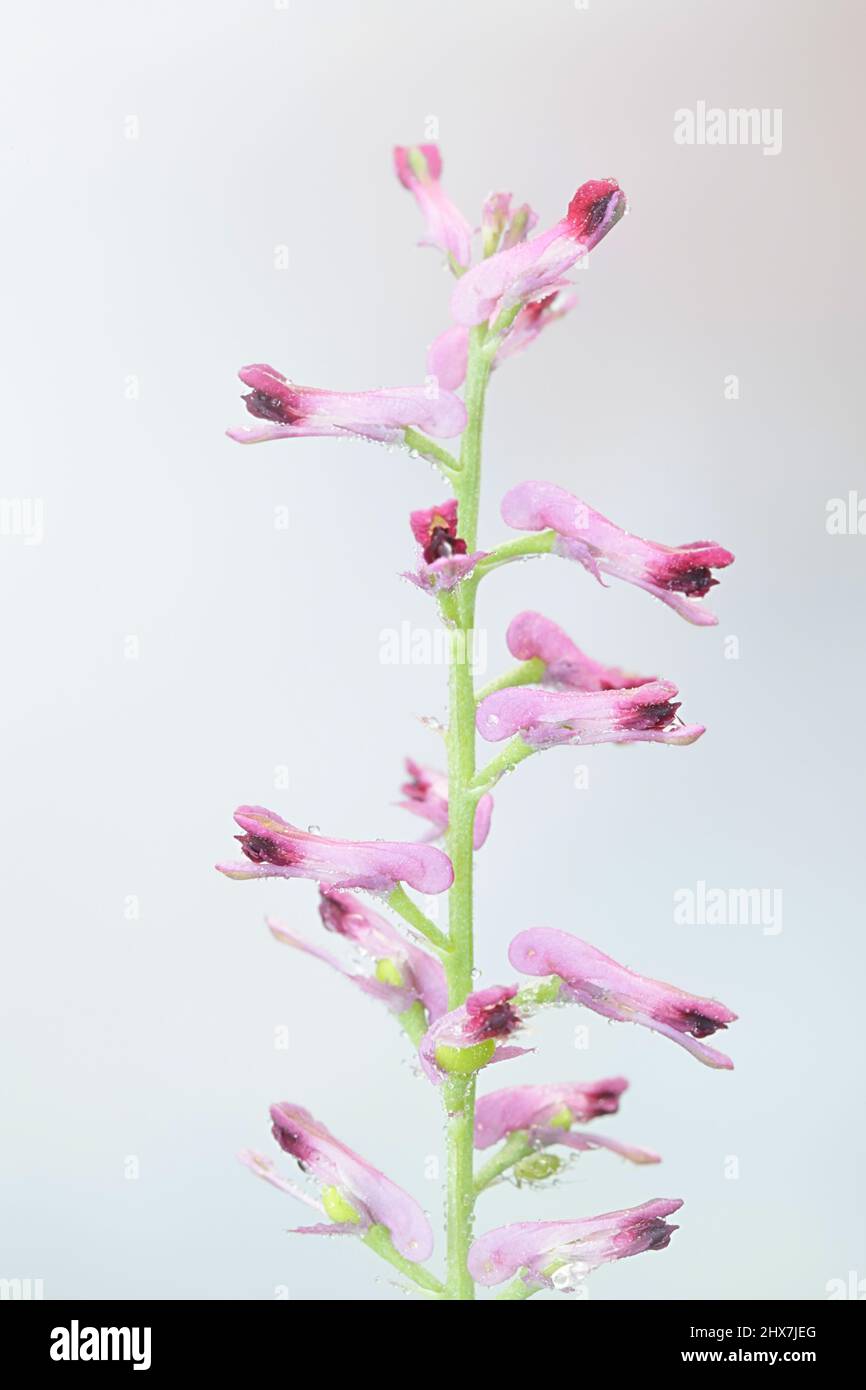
[(429, 449), (516, 1147), (459, 1096), (529, 673), (378, 1238), (539, 543), (514, 752), (414, 1022), (459, 612), (410, 912)]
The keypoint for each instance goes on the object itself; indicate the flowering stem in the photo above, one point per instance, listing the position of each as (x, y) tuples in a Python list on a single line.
[(410, 912), (459, 1097), (459, 1092)]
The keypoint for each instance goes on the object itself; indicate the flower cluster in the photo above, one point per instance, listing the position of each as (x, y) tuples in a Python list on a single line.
[(503, 297)]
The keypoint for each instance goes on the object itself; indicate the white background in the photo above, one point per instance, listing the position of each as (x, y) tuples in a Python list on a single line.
[(153, 258)]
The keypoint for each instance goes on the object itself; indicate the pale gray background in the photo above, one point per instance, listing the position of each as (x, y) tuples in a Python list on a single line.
[(154, 257)]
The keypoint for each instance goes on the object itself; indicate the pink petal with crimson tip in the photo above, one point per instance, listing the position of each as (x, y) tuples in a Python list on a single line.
[(532, 1247), (678, 575), (289, 409), (346, 915), (418, 168), (523, 1107), (278, 849), (547, 718), (447, 356), (532, 636), (488, 1014), (377, 1199), (529, 269), (437, 524), (591, 978)]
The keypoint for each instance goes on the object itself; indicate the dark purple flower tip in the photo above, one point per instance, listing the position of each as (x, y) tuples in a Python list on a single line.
[(657, 716), (262, 850), (701, 1025), (490, 1013)]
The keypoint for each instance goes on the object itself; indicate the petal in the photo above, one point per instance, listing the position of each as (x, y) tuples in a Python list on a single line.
[(599, 983), (418, 168), (530, 635), (398, 999), (447, 357)]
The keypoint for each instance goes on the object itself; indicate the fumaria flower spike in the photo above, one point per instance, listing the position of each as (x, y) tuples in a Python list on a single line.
[(678, 575), (294, 412), (426, 972), (560, 1254), (591, 978)]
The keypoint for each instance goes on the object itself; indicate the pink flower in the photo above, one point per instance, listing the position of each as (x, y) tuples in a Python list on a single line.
[(678, 575), (427, 795), (531, 636), (297, 411), (531, 268), (277, 849), (353, 1189), (591, 978), (524, 1107), (443, 562), (498, 217), (473, 1035), (546, 1114), (559, 1254), (545, 718), (418, 169), (403, 973)]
